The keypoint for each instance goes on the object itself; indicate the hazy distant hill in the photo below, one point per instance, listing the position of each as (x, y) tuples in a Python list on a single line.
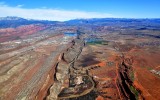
[(121, 22), (112, 20), (153, 24), (17, 21)]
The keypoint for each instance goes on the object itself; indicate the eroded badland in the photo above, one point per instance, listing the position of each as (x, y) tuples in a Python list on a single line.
[(107, 59)]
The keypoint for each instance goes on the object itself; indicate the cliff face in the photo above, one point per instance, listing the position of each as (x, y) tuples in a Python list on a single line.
[(63, 69), (125, 80), (28, 72), (135, 77)]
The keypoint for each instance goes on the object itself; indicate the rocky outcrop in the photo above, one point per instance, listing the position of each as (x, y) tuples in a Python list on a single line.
[(125, 80), (60, 77), (73, 52), (62, 74)]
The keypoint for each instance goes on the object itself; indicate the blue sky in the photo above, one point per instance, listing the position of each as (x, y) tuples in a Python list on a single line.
[(71, 9)]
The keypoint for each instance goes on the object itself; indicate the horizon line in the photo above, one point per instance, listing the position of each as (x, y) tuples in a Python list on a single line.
[(76, 18)]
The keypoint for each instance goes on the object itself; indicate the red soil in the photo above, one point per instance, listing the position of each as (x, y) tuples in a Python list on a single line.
[(145, 81), (9, 34)]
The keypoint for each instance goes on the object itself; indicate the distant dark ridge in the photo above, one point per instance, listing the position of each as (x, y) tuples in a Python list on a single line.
[(142, 34), (115, 21), (13, 22)]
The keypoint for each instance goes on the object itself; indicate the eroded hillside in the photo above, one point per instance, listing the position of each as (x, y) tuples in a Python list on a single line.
[(86, 61)]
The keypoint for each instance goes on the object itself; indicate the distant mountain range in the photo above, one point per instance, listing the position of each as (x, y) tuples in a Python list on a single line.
[(12, 21), (112, 20), (11, 18)]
